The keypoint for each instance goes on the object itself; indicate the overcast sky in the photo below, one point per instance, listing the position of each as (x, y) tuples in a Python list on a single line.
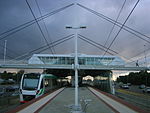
[(16, 12)]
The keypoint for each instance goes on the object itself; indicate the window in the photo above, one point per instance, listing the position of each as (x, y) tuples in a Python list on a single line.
[(30, 81), (41, 84)]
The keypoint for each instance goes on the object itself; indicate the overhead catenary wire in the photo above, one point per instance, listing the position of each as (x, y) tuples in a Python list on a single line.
[(14, 52), (29, 23), (126, 28), (144, 56), (114, 52), (122, 26), (7, 55), (43, 47), (39, 26), (57, 43), (48, 47), (139, 55), (41, 19), (98, 44), (94, 45), (139, 59), (53, 49), (115, 22)]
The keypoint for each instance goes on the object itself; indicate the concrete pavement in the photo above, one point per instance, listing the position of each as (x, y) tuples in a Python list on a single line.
[(65, 99)]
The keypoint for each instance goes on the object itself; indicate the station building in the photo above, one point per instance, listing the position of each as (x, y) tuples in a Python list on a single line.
[(102, 79)]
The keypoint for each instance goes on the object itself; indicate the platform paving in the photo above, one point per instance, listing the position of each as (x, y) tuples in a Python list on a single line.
[(62, 102)]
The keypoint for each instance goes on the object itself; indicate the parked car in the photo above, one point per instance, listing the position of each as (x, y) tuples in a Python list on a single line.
[(146, 90), (125, 86), (142, 86)]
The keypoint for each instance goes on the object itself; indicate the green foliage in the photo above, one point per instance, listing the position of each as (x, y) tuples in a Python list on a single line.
[(136, 78), (6, 75), (15, 76)]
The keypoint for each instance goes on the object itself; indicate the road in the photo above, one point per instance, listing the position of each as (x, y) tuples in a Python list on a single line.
[(135, 96), (133, 88)]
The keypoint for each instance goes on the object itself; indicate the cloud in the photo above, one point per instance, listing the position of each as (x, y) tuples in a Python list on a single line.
[(16, 13)]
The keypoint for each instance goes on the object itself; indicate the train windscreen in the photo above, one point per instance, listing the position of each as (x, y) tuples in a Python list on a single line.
[(30, 81)]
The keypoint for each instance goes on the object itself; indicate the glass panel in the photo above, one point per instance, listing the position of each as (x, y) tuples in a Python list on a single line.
[(30, 81)]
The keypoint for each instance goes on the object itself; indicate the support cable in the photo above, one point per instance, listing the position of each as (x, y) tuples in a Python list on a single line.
[(126, 28), (122, 26), (27, 24), (57, 43), (11, 51), (97, 43), (43, 47), (142, 57), (6, 55), (48, 47), (53, 49), (94, 44), (139, 54), (115, 22), (39, 26), (104, 47)]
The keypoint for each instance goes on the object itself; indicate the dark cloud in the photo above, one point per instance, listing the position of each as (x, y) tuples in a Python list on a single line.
[(16, 12)]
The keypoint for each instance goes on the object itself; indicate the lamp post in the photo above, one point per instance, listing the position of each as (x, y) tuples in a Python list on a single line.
[(145, 56), (145, 62), (76, 65), (5, 51)]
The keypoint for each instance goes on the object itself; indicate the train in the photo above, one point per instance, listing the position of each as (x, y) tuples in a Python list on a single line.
[(34, 85)]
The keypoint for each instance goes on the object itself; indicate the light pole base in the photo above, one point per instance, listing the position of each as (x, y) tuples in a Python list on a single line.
[(75, 109)]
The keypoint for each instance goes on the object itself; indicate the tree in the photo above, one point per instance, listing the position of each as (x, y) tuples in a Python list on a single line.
[(136, 78), (19, 75)]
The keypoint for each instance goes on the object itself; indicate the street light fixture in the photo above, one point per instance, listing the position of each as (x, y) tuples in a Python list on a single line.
[(76, 65)]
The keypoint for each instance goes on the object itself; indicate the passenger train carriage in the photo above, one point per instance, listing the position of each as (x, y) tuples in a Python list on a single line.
[(34, 85)]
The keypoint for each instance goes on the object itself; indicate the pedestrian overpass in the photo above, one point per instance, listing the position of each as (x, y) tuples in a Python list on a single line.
[(66, 61), (62, 65)]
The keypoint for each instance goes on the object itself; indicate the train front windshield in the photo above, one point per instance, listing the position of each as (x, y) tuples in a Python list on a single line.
[(30, 81)]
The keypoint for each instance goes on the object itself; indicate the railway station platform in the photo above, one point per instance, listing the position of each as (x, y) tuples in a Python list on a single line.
[(62, 100)]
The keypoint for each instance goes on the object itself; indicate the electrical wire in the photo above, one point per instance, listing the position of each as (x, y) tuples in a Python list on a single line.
[(89, 40), (115, 22), (27, 24), (141, 58), (39, 26), (94, 44), (122, 26), (97, 43), (126, 28), (140, 53), (11, 51), (7, 55), (53, 49), (43, 47), (53, 45), (57, 43)]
